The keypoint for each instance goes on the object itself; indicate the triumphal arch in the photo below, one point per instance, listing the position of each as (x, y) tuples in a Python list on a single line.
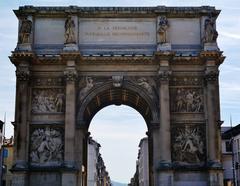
[(73, 61)]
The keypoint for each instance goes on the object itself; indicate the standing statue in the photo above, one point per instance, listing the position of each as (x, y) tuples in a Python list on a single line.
[(69, 31), (162, 30), (25, 31), (211, 33)]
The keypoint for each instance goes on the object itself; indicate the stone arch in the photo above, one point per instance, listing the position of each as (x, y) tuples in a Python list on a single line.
[(128, 94)]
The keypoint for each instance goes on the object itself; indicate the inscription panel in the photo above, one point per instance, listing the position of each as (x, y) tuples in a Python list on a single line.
[(117, 31)]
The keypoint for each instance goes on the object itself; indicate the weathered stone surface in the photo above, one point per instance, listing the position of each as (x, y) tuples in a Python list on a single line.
[(73, 61)]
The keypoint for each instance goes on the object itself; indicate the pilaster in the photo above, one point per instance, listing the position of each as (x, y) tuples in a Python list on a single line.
[(212, 115), (164, 168), (20, 165), (69, 176)]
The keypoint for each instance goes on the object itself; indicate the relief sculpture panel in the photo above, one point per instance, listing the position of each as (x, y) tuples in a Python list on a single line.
[(48, 100), (188, 144), (187, 100), (46, 146)]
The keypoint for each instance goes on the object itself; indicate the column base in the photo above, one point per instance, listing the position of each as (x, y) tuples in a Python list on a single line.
[(215, 178), (164, 178), (69, 178), (164, 47), (20, 179)]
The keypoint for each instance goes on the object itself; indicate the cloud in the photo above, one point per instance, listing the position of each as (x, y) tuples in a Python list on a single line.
[(230, 35)]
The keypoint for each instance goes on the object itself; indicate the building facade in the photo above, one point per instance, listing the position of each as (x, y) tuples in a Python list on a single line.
[(73, 61), (143, 163), (97, 174), (231, 154), (7, 161)]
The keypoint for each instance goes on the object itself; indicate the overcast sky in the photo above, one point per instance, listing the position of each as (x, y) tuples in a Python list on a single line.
[(118, 138)]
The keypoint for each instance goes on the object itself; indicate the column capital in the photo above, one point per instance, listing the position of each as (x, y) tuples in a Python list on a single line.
[(211, 75), (23, 72), (70, 74), (215, 56), (164, 75)]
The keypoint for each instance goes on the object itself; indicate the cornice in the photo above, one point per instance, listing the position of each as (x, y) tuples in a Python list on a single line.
[(217, 56), (19, 57), (118, 11)]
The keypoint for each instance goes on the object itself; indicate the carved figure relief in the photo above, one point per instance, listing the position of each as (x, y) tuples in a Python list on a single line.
[(186, 80), (188, 144), (48, 100), (46, 146), (69, 31), (144, 82), (162, 30), (211, 33), (56, 81), (25, 31), (187, 100), (117, 81), (88, 85)]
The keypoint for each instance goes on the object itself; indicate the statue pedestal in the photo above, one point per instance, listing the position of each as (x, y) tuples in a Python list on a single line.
[(70, 47), (164, 47), (24, 47), (211, 47)]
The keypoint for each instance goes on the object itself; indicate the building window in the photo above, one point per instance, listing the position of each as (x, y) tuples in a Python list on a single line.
[(228, 146)]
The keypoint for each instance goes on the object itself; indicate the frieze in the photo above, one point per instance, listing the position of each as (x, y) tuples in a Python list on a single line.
[(48, 100), (186, 81), (188, 144), (187, 100), (48, 81), (46, 148)]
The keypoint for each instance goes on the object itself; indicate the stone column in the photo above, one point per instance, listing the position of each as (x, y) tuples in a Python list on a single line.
[(20, 166), (165, 177), (69, 175), (213, 118)]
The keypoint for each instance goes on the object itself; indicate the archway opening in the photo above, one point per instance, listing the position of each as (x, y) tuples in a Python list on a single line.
[(119, 130)]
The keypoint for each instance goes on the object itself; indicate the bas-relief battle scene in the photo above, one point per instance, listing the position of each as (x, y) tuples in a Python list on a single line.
[(167, 70)]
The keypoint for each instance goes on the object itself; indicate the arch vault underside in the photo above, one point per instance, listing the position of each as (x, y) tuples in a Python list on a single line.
[(73, 61)]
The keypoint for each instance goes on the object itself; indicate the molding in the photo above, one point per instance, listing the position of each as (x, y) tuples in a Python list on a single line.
[(118, 11)]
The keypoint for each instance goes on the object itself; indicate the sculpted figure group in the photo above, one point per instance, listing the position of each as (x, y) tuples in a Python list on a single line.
[(50, 100), (46, 146), (188, 145), (188, 101)]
